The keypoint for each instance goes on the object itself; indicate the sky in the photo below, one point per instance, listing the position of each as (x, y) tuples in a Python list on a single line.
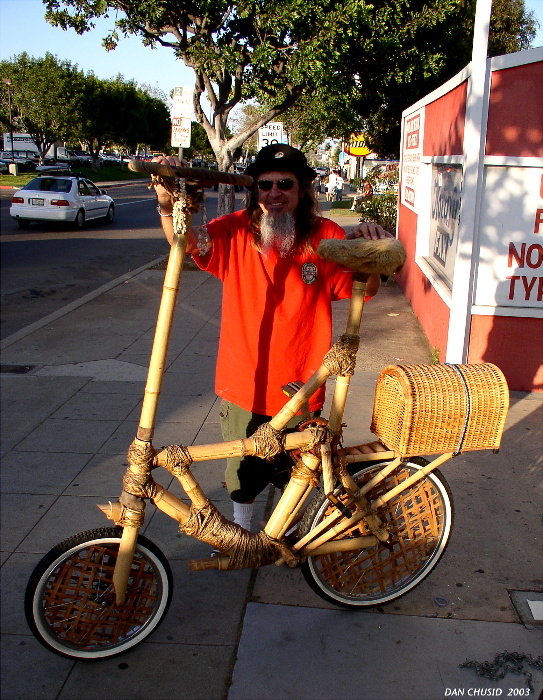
[(23, 28)]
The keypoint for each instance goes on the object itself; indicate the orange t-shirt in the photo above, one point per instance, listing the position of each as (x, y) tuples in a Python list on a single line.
[(276, 314)]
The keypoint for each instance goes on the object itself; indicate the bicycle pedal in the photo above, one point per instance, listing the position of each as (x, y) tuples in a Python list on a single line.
[(334, 500)]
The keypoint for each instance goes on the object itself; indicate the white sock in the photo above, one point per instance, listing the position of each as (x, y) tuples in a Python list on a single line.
[(243, 513)]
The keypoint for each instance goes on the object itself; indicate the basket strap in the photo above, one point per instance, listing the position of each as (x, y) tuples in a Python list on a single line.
[(468, 407)]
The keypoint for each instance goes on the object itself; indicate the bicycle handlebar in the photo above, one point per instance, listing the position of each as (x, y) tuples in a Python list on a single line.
[(199, 176)]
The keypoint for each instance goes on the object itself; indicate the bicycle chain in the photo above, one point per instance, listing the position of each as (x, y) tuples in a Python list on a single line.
[(504, 662)]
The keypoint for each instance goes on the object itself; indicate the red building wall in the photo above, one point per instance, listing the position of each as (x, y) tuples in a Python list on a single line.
[(444, 124), (514, 344), (443, 135), (428, 306), (515, 112)]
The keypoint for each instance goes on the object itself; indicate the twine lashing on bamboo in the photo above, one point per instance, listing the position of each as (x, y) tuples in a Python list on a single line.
[(137, 479), (141, 485), (246, 550), (302, 472), (340, 360), (178, 460), (130, 517), (268, 442)]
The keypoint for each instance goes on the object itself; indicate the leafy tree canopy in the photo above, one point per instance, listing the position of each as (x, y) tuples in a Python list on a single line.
[(46, 97), (342, 60), (420, 57), (275, 52)]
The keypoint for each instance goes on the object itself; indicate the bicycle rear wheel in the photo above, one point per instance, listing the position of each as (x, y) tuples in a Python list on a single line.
[(70, 601), (419, 521)]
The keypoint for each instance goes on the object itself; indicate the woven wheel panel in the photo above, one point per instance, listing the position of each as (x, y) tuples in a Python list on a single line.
[(425, 409)]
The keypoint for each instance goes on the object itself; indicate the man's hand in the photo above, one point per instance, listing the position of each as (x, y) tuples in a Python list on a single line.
[(165, 200), (371, 232)]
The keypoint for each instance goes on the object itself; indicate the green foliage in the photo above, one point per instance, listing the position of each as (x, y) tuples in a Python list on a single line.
[(337, 66), (45, 95), (54, 101), (382, 207)]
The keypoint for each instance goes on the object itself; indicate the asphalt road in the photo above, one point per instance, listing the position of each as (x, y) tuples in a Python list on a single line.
[(48, 266)]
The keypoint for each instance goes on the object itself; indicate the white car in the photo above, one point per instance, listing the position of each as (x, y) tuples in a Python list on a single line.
[(62, 198)]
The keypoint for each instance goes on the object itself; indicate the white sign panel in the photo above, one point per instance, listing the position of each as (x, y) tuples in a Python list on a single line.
[(182, 102), (445, 219), (511, 238), (181, 132), (413, 135), (272, 132)]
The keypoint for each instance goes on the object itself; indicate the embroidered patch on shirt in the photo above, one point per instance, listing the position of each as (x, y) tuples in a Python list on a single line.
[(309, 272)]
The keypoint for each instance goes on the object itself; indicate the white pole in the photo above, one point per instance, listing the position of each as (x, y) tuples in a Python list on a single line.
[(467, 255)]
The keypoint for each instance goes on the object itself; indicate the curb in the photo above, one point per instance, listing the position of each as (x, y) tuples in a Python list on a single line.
[(46, 320)]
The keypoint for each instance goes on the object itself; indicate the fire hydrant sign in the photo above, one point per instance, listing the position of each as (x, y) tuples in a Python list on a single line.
[(511, 252), (272, 132), (181, 132)]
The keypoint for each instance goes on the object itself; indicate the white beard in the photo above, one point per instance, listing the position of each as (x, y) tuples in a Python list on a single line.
[(278, 232)]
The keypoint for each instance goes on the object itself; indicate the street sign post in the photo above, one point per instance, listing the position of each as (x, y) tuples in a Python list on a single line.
[(181, 132), (272, 132), (181, 117)]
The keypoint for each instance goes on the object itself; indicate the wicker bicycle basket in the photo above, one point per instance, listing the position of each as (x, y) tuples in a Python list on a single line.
[(425, 409)]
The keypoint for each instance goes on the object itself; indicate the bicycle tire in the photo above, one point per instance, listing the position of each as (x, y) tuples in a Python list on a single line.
[(74, 582), (419, 521)]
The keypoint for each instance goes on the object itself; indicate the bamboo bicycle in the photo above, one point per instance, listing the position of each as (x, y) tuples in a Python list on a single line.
[(365, 523)]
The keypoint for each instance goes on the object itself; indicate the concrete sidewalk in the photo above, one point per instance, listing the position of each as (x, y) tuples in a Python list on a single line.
[(71, 397)]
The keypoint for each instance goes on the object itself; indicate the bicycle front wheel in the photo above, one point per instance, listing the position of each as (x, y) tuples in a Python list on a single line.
[(70, 600), (419, 522)]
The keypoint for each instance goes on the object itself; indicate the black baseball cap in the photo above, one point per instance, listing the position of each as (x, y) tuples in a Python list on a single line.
[(282, 158)]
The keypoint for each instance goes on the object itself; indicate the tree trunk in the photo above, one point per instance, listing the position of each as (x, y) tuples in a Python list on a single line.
[(227, 195)]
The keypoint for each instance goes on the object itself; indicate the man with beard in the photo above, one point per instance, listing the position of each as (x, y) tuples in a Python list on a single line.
[(276, 310)]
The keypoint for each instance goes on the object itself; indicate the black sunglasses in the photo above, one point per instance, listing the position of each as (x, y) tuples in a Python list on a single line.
[(283, 185)]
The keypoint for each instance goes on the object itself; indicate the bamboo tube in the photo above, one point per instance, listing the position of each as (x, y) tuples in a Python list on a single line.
[(338, 403), (172, 506), (413, 479), (289, 499), (157, 364), (192, 488), (220, 563), (346, 524), (356, 306), (292, 518), (127, 547), (382, 474), (236, 448), (369, 456), (327, 474), (345, 545), (295, 404)]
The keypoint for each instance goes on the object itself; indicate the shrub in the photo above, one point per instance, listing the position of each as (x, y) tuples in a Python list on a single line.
[(382, 207)]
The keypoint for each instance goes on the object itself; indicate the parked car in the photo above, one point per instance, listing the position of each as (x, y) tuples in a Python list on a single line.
[(4, 166), (54, 169), (24, 163), (62, 198), (83, 157)]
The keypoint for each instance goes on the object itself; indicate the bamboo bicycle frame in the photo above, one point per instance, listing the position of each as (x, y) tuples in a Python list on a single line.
[(319, 540)]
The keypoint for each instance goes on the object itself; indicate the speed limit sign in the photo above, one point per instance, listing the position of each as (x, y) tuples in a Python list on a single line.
[(272, 132)]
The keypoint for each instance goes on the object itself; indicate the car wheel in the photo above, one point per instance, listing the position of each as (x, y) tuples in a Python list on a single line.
[(110, 213), (23, 223), (79, 220)]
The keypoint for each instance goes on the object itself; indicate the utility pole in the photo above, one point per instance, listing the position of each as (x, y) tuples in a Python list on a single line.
[(7, 82)]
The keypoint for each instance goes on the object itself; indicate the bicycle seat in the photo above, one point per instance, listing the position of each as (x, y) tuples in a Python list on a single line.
[(384, 256)]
